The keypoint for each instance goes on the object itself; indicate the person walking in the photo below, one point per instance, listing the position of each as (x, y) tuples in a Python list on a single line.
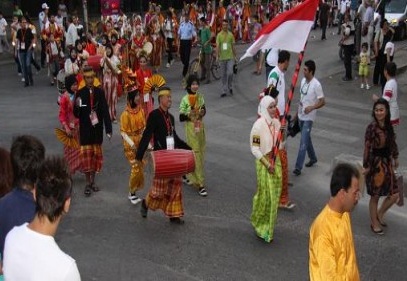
[(347, 41), (3, 34), (192, 111), (312, 98), (92, 110), (25, 43), (132, 126), (380, 159), (43, 22), (263, 138), (169, 32), (165, 193), (324, 9), (186, 34), (205, 37), (226, 54), (331, 246), (30, 249)]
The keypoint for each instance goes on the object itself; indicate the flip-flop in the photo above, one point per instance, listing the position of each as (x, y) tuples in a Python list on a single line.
[(87, 191)]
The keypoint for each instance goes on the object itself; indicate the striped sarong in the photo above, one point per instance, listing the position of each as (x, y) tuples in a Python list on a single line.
[(92, 158)]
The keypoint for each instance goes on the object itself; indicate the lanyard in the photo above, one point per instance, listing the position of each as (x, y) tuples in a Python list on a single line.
[(91, 97), (167, 122)]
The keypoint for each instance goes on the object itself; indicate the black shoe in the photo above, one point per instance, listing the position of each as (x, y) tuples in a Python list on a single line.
[(297, 172), (177, 221), (346, 79), (26, 84), (87, 191), (231, 92), (143, 209), (311, 163), (223, 95)]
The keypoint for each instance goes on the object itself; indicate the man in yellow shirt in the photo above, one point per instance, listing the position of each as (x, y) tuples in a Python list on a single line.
[(331, 248)]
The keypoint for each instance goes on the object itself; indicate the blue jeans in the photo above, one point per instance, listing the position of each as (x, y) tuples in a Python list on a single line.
[(25, 60), (305, 145)]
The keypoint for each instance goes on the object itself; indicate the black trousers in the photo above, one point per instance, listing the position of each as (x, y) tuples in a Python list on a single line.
[(347, 60), (43, 52), (323, 27), (378, 73), (170, 42), (185, 53)]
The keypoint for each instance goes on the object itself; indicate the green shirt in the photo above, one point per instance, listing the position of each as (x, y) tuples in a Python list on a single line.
[(206, 35), (224, 42)]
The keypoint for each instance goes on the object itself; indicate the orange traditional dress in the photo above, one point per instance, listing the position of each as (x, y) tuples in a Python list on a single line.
[(132, 125), (137, 45), (158, 43)]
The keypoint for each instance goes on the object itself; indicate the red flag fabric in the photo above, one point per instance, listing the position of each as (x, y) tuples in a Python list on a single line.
[(287, 31)]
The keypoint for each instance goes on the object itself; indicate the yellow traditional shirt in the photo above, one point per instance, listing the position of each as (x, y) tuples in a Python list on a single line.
[(331, 248), (132, 125)]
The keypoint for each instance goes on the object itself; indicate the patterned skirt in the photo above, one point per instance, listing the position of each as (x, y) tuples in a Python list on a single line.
[(381, 180), (266, 200), (166, 194), (92, 158), (73, 157)]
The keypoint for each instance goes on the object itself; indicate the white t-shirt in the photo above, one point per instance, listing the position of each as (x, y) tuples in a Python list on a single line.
[(390, 94), (3, 25), (310, 93), (276, 78), (271, 56), (389, 45), (31, 256)]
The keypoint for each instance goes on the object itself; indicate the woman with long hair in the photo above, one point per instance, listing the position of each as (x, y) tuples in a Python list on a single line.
[(70, 124), (110, 65), (380, 158), (263, 138), (191, 111), (71, 65)]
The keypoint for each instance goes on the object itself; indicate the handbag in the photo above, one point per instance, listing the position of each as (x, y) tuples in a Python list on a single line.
[(400, 185), (293, 127)]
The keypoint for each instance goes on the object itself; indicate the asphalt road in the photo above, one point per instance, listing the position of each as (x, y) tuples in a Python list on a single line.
[(109, 239)]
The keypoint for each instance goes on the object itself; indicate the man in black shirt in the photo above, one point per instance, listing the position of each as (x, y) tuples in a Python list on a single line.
[(25, 47), (165, 193)]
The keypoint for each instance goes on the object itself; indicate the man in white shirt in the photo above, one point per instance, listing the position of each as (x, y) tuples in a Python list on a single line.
[(312, 98), (390, 92), (3, 34), (30, 249), (72, 33), (276, 79)]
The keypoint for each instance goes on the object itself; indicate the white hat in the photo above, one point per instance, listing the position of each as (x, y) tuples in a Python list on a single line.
[(44, 6)]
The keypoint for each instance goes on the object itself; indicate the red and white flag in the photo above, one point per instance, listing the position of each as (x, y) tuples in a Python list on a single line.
[(287, 31)]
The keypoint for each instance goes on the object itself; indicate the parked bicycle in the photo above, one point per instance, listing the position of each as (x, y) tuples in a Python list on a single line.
[(196, 66)]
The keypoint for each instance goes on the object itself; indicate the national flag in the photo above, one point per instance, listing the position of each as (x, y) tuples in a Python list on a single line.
[(287, 31)]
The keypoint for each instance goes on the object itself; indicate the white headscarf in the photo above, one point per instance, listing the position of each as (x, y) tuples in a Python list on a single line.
[(264, 104)]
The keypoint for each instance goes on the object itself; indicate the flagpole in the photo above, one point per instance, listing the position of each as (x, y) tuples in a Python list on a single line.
[(287, 108)]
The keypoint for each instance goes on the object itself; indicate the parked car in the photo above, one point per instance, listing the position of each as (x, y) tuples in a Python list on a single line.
[(396, 15)]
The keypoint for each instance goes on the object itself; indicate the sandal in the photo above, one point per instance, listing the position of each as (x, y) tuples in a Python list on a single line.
[(94, 187), (376, 231), (382, 223), (88, 190)]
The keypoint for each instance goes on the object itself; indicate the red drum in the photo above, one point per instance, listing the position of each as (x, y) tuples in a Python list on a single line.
[(94, 62), (173, 163)]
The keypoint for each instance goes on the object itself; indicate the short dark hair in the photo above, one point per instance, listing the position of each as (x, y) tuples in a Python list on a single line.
[(342, 177), (365, 44), (310, 64), (391, 68), (27, 153), (53, 188), (283, 56)]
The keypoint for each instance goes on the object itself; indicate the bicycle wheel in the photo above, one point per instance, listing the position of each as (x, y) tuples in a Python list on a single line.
[(215, 70), (195, 68)]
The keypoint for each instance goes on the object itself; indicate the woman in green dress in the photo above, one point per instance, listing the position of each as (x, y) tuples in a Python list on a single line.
[(263, 138), (192, 110)]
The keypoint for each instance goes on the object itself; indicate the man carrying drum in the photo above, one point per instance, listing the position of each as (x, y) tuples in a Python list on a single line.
[(165, 193)]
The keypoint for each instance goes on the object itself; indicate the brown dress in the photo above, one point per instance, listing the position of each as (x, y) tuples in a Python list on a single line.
[(380, 150)]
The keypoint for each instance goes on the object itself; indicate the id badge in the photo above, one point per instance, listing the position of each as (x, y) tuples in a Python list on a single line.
[(146, 97), (22, 45), (224, 46), (93, 118), (197, 126), (170, 142)]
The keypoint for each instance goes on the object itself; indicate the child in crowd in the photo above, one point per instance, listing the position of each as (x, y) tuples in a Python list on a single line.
[(364, 61)]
